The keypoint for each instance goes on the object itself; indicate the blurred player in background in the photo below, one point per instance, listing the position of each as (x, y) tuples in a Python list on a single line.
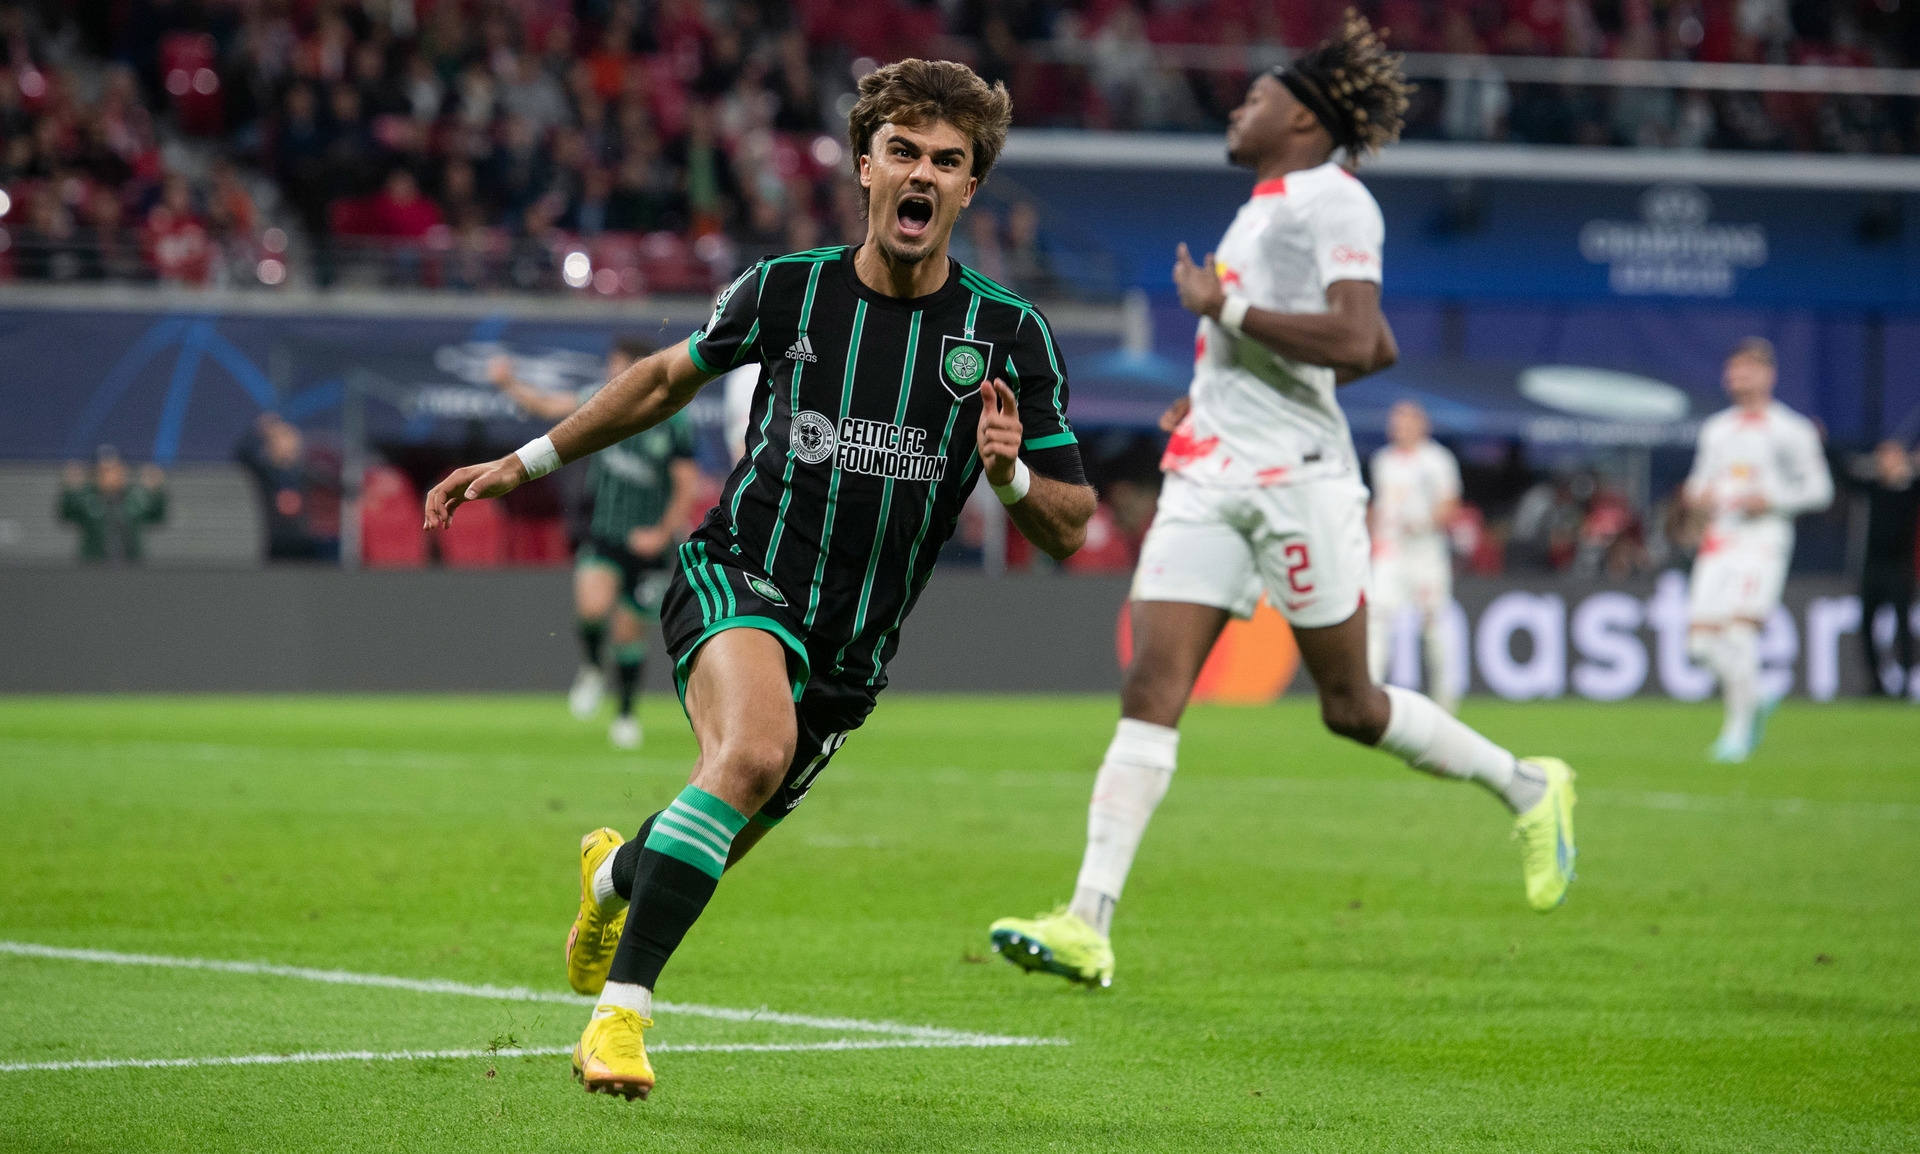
[(1263, 491), (1416, 492), (641, 492), (883, 401), (1892, 495), (1759, 465)]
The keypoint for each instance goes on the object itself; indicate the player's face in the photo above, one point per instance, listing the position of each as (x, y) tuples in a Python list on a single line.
[(1748, 381), (917, 181), (1259, 125), (1407, 424)]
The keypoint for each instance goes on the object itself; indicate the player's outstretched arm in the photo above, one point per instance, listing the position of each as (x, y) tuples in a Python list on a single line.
[(1052, 514), (536, 403), (1352, 337), (646, 394)]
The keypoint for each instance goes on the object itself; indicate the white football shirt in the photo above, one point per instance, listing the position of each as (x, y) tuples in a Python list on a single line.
[(1774, 454), (1408, 488), (1259, 418)]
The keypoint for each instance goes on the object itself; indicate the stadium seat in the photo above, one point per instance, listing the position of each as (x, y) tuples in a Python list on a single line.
[(390, 532), (537, 541), (477, 538)]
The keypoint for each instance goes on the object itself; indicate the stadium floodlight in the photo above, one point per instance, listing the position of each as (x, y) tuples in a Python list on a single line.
[(577, 269)]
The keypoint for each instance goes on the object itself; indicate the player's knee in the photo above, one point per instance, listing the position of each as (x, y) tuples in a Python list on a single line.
[(1358, 712), (1153, 692), (755, 765)]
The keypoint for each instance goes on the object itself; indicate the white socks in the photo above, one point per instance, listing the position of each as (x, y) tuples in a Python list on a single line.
[(1133, 778), (639, 999), (1439, 664), (1734, 652), (604, 895), (1428, 738)]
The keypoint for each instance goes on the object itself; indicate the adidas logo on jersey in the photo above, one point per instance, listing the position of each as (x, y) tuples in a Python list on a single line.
[(802, 350)]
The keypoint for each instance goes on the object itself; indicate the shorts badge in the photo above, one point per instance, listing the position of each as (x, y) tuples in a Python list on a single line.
[(767, 590)]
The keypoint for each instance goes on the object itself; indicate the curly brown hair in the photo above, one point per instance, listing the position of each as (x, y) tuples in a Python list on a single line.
[(919, 92), (1353, 85)]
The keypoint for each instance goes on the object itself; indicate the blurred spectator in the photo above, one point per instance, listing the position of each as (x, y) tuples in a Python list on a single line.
[(1546, 525), (1887, 578), (276, 454), (398, 210), (111, 512), (703, 118), (176, 239)]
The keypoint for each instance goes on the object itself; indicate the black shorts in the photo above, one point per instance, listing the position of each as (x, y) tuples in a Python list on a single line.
[(643, 580), (710, 593)]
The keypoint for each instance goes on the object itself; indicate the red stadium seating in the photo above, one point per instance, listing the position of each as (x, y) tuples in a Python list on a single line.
[(390, 533), (477, 539)]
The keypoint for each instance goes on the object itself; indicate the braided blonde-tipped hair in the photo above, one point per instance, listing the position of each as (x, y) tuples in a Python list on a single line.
[(1360, 83)]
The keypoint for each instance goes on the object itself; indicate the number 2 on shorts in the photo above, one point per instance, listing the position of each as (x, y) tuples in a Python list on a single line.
[(1297, 563)]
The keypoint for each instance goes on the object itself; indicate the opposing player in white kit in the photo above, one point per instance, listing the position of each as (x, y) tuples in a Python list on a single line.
[(1759, 465), (1416, 492), (1263, 491)]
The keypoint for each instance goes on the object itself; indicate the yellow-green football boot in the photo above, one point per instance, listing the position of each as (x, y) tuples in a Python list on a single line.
[(611, 1056), (591, 941), (1546, 836), (1056, 943)]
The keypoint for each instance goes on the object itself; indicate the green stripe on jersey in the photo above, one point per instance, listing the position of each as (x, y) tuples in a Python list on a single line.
[(886, 494), (1050, 442), (793, 406), (833, 486), (926, 519)]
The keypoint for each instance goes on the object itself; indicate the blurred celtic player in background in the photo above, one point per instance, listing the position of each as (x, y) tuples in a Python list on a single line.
[(640, 492)]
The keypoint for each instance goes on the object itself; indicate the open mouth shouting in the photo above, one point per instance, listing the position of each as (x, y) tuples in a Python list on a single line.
[(914, 215)]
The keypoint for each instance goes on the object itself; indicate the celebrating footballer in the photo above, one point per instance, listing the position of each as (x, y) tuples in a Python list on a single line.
[(893, 379)]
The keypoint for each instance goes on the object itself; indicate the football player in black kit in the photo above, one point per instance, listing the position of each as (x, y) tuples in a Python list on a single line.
[(892, 380)]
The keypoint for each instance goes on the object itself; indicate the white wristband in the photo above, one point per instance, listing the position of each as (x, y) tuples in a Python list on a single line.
[(538, 456), (1013, 490), (1234, 313)]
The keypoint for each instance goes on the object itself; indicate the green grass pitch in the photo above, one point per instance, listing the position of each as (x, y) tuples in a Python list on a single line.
[(1319, 949)]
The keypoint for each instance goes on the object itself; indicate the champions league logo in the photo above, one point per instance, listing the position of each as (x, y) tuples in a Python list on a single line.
[(1673, 250)]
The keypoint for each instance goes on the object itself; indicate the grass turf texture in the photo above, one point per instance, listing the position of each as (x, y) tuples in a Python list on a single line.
[(1319, 949)]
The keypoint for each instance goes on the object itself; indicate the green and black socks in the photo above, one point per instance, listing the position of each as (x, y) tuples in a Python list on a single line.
[(669, 878)]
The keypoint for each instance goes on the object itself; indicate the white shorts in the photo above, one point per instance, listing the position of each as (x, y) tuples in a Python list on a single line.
[(1422, 578), (1305, 543), (1736, 580)]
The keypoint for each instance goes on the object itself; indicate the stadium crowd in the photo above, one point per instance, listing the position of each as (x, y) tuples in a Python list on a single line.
[(634, 145)]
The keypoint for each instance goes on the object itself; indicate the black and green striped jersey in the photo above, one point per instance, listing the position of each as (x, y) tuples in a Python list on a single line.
[(861, 441), (631, 483)]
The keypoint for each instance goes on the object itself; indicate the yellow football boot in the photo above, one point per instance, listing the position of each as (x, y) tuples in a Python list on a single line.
[(1546, 836), (591, 941), (611, 1056), (1056, 943)]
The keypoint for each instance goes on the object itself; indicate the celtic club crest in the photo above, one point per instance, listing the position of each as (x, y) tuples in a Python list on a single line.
[(813, 439), (963, 365), (767, 589)]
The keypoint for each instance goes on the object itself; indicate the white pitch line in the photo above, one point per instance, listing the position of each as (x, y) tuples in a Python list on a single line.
[(926, 1035), (839, 1044)]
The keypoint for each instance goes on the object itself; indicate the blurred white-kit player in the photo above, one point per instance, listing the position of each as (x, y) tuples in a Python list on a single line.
[(1416, 492), (1759, 465)]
